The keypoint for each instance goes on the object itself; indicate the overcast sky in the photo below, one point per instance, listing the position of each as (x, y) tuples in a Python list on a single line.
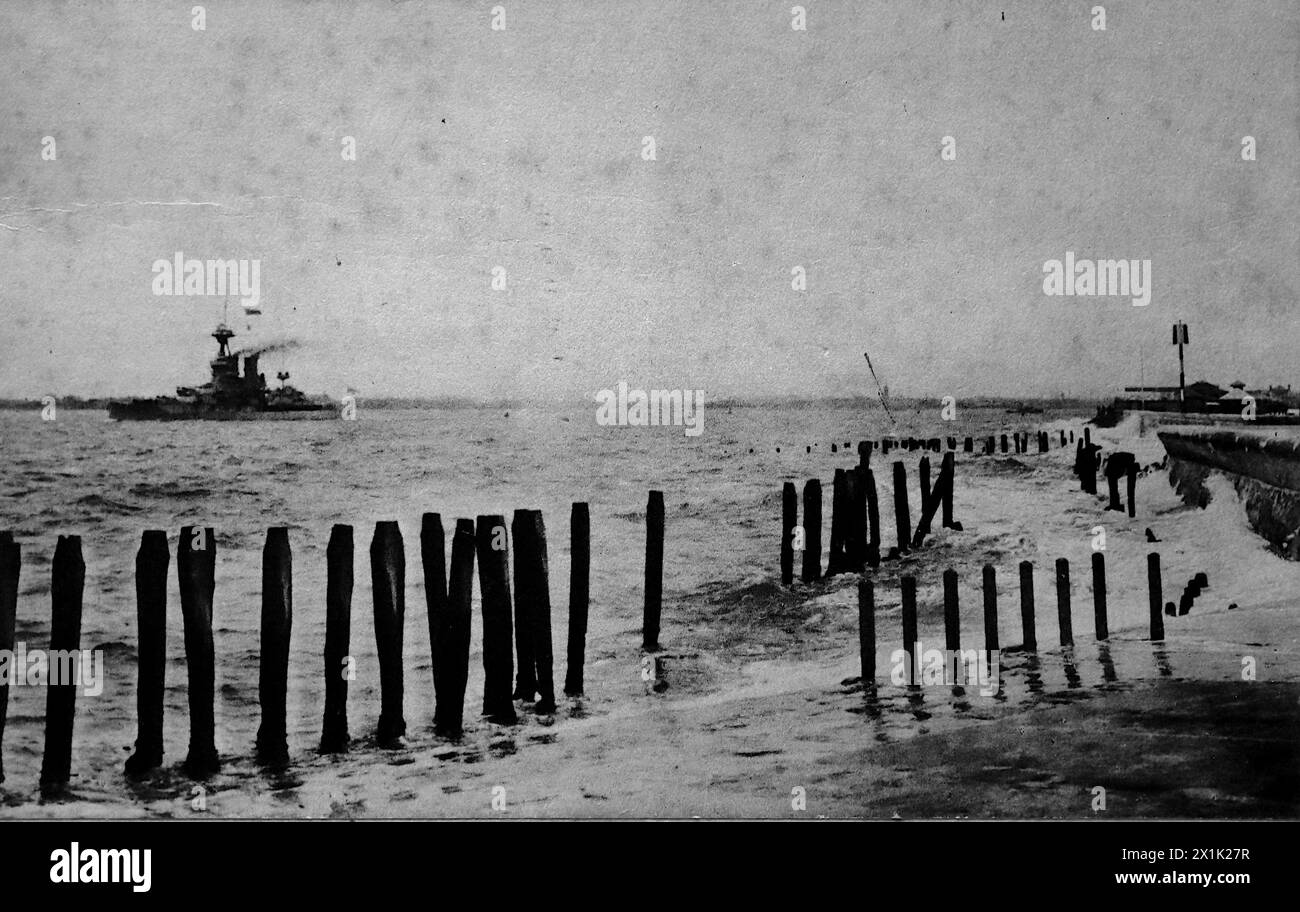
[(775, 148)]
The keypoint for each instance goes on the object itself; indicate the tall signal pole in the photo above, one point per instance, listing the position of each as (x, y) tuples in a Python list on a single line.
[(1180, 339)]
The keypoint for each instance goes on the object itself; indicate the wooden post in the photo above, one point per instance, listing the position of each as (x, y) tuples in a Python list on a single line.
[(1132, 477), (990, 610), (873, 519), (902, 515), (789, 519), (812, 531), (525, 661), (498, 644), (580, 587), (909, 626), (1099, 594), (451, 658), (1062, 438), (151, 564), (10, 565), (1004, 443), (533, 572), (1155, 596), (947, 478), (273, 666), (835, 559), (334, 736), (927, 492), (855, 551), (867, 631), (1027, 606), (1112, 488), (1063, 601), (196, 562), (433, 565), (654, 570), (951, 613), (68, 580), (388, 579)]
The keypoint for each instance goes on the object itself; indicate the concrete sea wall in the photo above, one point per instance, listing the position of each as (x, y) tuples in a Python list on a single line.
[(1264, 470)]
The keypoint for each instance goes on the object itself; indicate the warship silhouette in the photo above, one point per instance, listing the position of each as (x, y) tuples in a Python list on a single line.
[(228, 396)]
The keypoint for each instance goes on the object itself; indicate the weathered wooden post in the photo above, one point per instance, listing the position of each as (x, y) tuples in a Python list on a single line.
[(1099, 594), (68, 580), (1063, 601), (812, 531), (990, 611), (151, 564), (525, 660), (196, 562), (1027, 606), (334, 736), (388, 579), (873, 518), (580, 588), (498, 644), (951, 613), (902, 515), (867, 631), (10, 565), (1112, 486), (273, 664), (909, 626), (1132, 478), (433, 564), (835, 560), (789, 519), (1155, 596), (451, 654), (654, 569), (533, 574), (947, 480), (855, 550), (927, 492)]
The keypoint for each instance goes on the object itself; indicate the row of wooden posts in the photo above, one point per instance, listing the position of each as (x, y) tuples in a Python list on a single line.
[(951, 611), (448, 597), (855, 517), (1015, 442), (1118, 465)]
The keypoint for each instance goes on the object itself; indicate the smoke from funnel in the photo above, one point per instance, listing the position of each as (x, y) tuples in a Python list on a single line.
[(271, 347)]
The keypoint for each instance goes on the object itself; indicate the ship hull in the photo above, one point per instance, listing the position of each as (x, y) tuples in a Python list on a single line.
[(162, 409)]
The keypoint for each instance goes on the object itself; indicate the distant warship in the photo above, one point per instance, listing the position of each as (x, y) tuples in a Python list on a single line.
[(228, 396)]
